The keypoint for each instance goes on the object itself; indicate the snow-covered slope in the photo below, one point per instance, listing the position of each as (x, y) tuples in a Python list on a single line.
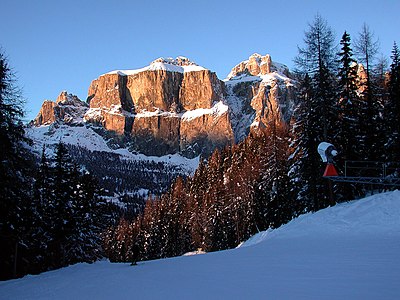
[(84, 136), (350, 251), (180, 64)]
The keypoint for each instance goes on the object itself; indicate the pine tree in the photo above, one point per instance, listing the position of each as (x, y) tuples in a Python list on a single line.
[(275, 205), (306, 167), (15, 180), (348, 130), (392, 109), (73, 212), (317, 115), (366, 49)]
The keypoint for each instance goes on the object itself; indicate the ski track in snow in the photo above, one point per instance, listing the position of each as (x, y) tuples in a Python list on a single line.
[(350, 251)]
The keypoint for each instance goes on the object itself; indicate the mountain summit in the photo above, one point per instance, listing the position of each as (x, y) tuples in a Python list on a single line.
[(174, 105)]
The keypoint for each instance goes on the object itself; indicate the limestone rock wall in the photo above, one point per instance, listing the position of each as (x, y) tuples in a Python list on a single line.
[(68, 109), (156, 135), (46, 114), (154, 89), (108, 90), (173, 105), (200, 90), (204, 133), (148, 104)]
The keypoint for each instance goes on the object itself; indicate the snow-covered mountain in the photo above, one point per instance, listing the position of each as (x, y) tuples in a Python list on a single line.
[(110, 162), (175, 106), (258, 91), (350, 251), (168, 113)]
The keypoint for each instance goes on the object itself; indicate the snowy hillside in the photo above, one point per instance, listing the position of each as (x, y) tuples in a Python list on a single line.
[(118, 170), (350, 251), (85, 137)]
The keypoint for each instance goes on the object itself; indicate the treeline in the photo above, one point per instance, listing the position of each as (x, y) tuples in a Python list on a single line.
[(239, 191), (51, 214), (118, 176), (276, 173), (57, 220)]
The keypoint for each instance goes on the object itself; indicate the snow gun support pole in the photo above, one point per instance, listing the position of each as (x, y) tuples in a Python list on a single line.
[(362, 172), (327, 152)]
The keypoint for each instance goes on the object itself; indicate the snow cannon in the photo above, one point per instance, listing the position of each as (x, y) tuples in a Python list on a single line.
[(327, 152)]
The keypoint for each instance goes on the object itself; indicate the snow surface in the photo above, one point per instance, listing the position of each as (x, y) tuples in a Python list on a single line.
[(218, 109), (350, 251), (83, 136), (165, 65)]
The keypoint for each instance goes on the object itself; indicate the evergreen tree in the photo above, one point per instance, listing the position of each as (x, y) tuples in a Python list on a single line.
[(15, 181), (275, 206), (317, 59), (392, 109), (71, 211), (366, 49), (317, 114), (306, 166), (348, 130)]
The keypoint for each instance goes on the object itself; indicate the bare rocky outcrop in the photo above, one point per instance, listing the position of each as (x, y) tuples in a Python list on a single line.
[(157, 134), (108, 90), (46, 114), (262, 90), (258, 65), (203, 133), (148, 104), (174, 105), (67, 109), (151, 90), (200, 89)]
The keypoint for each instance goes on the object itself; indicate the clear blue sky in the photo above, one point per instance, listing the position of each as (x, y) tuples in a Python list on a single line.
[(64, 45)]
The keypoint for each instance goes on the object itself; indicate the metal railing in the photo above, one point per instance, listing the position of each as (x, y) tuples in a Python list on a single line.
[(370, 172)]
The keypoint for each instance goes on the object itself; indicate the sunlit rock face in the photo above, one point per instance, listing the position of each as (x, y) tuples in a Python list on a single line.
[(67, 109), (176, 106), (259, 93), (150, 103)]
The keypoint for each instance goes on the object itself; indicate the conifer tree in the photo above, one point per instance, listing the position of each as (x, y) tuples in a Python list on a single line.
[(306, 167), (348, 130), (392, 109), (15, 180), (317, 115), (366, 49)]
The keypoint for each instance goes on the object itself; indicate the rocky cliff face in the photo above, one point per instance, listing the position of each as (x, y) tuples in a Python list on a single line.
[(149, 103), (174, 105), (259, 91), (46, 114), (68, 109)]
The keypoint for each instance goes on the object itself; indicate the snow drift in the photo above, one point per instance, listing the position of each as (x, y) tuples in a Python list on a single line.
[(350, 251)]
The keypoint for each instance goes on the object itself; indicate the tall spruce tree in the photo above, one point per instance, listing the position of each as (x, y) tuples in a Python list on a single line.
[(14, 169), (306, 168), (366, 48), (317, 117), (392, 109), (348, 130)]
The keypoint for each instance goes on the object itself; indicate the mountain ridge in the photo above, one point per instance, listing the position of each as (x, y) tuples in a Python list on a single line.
[(176, 106)]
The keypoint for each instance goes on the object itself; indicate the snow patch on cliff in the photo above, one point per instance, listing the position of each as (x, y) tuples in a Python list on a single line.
[(217, 110), (179, 65)]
